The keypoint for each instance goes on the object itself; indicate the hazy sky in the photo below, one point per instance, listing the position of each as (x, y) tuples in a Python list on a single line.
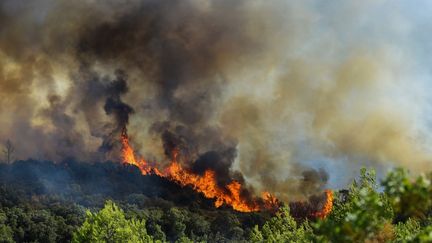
[(291, 85)]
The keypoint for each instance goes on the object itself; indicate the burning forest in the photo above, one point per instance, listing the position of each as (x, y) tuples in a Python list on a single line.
[(233, 193), (215, 121)]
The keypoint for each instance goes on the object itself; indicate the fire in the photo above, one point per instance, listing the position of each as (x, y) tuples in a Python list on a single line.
[(206, 183), (328, 205), (269, 199), (129, 157), (231, 194)]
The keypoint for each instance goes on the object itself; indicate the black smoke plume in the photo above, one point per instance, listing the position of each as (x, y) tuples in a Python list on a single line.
[(117, 108)]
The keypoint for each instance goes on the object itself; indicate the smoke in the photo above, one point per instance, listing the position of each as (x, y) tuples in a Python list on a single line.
[(290, 94), (116, 107)]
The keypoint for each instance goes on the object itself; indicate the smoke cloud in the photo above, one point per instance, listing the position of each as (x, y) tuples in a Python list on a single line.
[(283, 95)]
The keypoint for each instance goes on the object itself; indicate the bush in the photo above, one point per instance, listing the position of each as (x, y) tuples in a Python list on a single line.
[(110, 225), (281, 228)]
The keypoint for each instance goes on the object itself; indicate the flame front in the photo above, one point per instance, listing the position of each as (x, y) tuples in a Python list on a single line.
[(328, 205), (129, 155), (206, 183)]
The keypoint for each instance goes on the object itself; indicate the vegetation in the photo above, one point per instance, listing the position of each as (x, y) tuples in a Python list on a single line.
[(106, 202), (111, 225)]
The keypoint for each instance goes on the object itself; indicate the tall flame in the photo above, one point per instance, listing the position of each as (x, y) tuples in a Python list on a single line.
[(129, 157), (328, 205)]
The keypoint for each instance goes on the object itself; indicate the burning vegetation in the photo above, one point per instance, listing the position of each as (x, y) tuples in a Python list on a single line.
[(233, 194)]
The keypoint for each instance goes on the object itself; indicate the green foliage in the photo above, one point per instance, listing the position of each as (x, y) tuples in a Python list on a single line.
[(365, 215), (425, 235), (52, 208), (6, 233), (407, 231), (413, 231), (30, 225), (110, 225), (184, 239), (175, 220), (281, 228), (409, 198), (47, 202)]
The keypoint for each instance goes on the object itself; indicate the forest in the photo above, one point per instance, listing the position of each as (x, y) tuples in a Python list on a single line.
[(41, 201), (215, 121)]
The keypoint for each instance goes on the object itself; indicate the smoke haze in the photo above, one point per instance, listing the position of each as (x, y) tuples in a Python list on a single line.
[(292, 94)]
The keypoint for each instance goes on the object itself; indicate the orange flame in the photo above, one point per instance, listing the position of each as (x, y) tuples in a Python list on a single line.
[(328, 205), (129, 157), (206, 183)]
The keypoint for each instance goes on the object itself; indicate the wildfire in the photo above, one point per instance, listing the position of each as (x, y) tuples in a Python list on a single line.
[(328, 205), (206, 183), (208, 186), (129, 157), (231, 194)]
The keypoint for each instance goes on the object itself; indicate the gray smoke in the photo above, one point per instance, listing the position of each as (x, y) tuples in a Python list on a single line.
[(280, 91)]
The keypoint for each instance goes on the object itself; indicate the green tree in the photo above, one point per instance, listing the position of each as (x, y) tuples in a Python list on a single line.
[(365, 215), (184, 239), (402, 192), (197, 225), (6, 233), (407, 231), (110, 225), (425, 235), (281, 228), (414, 230), (175, 223), (31, 225)]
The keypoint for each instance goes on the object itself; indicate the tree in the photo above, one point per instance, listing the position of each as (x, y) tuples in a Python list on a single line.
[(407, 231), (403, 191), (366, 215), (425, 235), (184, 239), (110, 225), (281, 228), (6, 232), (8, 151), (174, 223)]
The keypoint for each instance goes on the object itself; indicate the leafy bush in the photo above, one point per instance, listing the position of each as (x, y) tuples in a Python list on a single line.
[(409, 198), (407, 231), (281, 228), (110, 225), (6, 233), (364, 215)]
